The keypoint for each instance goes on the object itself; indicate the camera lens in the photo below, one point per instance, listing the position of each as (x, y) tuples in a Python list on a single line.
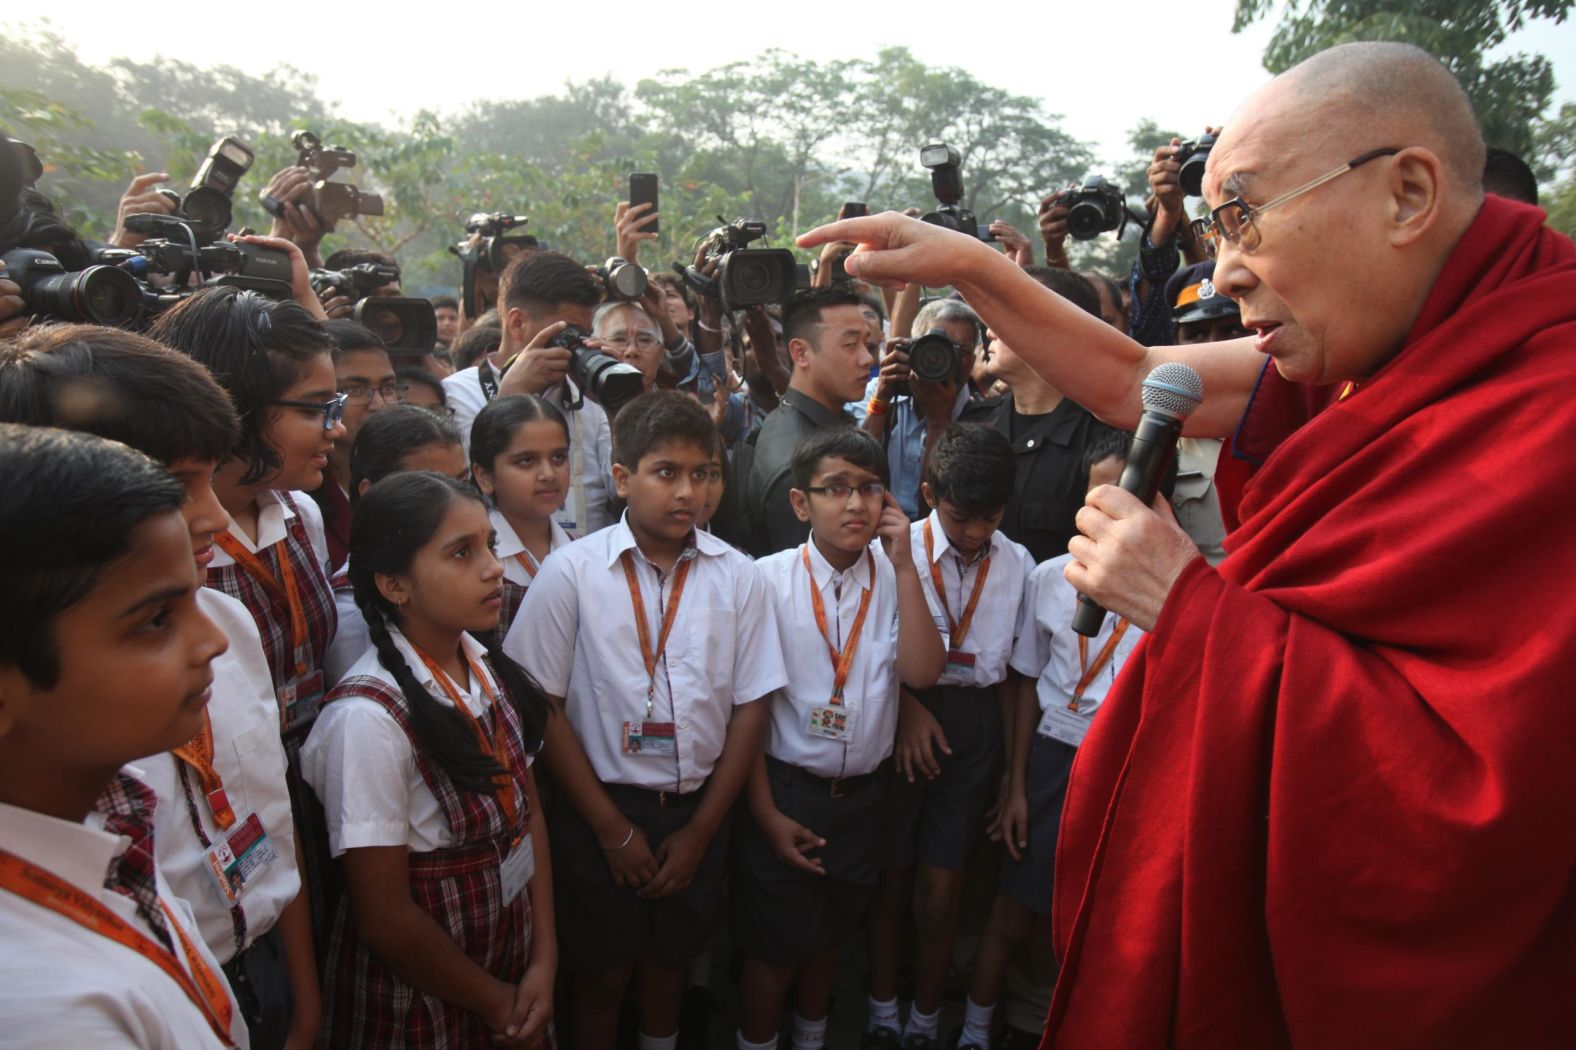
[(98, 295), (208, 208), (609, 380), (1087, 219), (933, 357)]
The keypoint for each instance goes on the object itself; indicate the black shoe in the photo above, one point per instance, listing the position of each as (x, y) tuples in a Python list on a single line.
[(1017, 1039), (920, 1042), (881, 1038)]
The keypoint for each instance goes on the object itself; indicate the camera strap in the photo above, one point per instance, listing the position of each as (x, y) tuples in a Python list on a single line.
[(489, 382)]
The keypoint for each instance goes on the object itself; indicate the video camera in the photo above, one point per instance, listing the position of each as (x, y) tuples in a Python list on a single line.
[(745, 276), (354, 282), (1193, 156), (406, 326), (611, 381), (946, 182), (484, 255), (331, 200)]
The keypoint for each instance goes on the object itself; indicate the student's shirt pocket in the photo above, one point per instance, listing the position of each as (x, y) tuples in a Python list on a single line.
[(260, 757)]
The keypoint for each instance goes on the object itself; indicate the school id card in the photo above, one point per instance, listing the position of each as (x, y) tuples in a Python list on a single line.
[(518, 867), (235, 860), (300, 699), (831, 722), (649, 738)]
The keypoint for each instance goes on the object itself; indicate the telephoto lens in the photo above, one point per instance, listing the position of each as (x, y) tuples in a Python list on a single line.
[(103, 295), (611, 381), (933, 357)]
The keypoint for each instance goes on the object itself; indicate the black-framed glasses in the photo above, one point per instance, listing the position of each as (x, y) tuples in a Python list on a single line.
[(362, 395), (333, 409), (867, 489), (1234, 221)]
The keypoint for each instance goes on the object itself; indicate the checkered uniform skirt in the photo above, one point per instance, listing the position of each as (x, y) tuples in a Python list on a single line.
[(460, 886)]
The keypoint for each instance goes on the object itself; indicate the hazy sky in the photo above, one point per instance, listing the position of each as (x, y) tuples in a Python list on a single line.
[(1102, 66)]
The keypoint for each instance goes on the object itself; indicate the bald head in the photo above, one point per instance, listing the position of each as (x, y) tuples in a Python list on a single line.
[(1395, 92)]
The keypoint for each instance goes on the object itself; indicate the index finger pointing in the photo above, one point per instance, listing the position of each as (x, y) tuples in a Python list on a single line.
[(867, 229)]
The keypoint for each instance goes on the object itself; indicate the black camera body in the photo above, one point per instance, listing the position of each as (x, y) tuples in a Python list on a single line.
[(208, 202), (354, 282), (934, 357), (498, 245), (946, 182), (1193, 156), (100, 294), (331, 201), (746, 276), (1094, 208), (611, 381)]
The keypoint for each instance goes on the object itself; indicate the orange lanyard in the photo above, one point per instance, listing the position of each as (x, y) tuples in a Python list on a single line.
[(959, 630), (1100, 661), (49, 890), (198, 753), (494, 748), (283, 587), (649, 655), (528, 563), (842, 662)]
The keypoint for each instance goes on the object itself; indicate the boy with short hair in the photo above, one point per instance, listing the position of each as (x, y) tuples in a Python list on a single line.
[(104, 656), (658, 737), (222, 795), (949, 737), (853, 620), (1065, 680)]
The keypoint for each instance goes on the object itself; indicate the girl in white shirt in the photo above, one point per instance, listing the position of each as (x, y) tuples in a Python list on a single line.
[(422, 759)]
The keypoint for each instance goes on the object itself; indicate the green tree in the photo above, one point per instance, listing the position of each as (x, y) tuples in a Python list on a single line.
[(1508, 92)]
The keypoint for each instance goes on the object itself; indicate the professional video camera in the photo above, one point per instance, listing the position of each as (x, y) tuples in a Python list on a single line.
[(1094, 208), (1192, 156), (354, 282), (176, 246), (207, 202), (332, 200), (611, 381), (485, 254), (406, 326), (946, 181), (745, 276), (20, 168)]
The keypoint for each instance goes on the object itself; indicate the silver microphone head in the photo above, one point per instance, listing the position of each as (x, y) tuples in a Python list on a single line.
[(1173, 389)]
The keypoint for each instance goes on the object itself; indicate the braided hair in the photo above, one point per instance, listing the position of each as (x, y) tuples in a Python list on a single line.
[(398, 516)]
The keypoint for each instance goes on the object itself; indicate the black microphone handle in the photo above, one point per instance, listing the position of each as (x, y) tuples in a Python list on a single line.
[(1154, 445)]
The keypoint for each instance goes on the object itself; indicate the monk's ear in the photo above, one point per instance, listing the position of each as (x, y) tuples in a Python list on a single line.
[(1417, 188)]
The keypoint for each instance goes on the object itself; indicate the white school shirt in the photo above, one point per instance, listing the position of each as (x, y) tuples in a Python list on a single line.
[(362, 765), (590, 445), (273, 516), (995, 620), (510, 548), (870, 693), (250, 759), (1047, 650), (575, 632), (63, 985), (351, 639)]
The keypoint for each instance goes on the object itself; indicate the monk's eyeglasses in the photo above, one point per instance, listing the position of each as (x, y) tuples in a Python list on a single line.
[(1234, 221)]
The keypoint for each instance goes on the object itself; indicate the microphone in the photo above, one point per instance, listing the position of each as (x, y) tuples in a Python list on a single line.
[(1171, 393)]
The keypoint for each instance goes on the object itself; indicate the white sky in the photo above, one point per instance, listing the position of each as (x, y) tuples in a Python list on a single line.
[(1102, 66)]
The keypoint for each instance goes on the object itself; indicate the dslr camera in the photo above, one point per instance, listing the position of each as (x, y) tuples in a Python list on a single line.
[(611, 381), (331, 200), (745, 276), (1192, 156), (101, 294), (946, 181), (623, 280), (208, 202), (1095, 208), (354, 282)]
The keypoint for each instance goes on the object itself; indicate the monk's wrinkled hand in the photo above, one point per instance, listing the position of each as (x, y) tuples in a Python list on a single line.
[(1129, 555)]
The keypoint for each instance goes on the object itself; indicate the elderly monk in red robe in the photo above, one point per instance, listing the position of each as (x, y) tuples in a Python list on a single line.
[(1332, 800)]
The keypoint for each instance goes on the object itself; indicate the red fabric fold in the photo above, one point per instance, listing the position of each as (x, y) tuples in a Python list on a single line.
[(1330, 801)]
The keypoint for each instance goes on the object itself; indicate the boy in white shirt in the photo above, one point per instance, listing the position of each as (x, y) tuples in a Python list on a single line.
[(104, 656), (949, 737), (853, 621), (659, 736)]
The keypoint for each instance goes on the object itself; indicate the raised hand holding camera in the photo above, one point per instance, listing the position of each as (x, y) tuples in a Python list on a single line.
[(141, 198)]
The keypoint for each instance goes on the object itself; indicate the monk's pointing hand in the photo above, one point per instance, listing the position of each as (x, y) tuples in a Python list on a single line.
[(1128, 555)]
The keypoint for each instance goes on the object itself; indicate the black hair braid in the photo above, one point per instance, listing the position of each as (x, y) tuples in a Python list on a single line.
[(444, 733), (521, 690)]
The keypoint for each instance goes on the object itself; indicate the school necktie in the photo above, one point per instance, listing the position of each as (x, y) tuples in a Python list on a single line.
[(127, 805)]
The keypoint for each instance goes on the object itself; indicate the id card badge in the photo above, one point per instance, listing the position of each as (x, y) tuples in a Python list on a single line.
[(649, 738), (237, 858), (299, 701), (1069, 727), (831, 722), (959, 665), (518, 867)]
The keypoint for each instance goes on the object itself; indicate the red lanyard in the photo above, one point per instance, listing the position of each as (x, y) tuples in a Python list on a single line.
[(1100, 661), (283, 587), (494, 748), (198, 753), (649, 655), (959, 630), (842, 662), (206, 989), (527, 563)]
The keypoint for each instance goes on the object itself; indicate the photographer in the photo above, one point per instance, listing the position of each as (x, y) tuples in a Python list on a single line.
[(907, 415), (296, 221), (541, 294)]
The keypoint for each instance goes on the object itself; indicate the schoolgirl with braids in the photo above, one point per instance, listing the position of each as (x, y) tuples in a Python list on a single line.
[(520, 462), (422, 758)]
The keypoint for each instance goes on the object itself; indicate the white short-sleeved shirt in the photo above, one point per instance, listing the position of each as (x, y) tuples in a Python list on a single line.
[(62, 984), (588, 504), (870, 694), (1047, 650), (250, 759), (362, 766), (351, 640), (273, 516), (510, 549), (575, 632), (995, 620)]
